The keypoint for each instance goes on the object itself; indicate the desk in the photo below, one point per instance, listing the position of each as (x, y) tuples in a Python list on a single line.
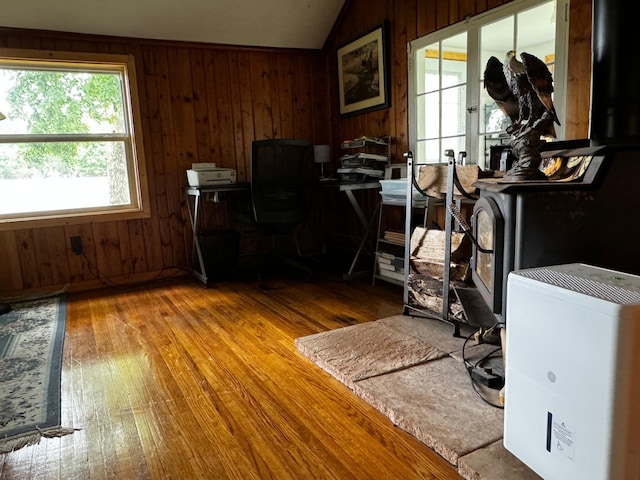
[(196, 194), (348, 188)]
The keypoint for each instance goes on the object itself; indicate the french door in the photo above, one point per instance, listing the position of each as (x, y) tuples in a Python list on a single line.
[(448, 106)]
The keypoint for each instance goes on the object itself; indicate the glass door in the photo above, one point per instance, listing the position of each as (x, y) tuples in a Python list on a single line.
[(448, 106)]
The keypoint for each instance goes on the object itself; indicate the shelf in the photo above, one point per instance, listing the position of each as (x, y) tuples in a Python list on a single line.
[(390, 268), (392, 238), (391, 242)]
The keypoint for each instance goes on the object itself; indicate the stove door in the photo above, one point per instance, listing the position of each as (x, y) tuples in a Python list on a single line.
[(486, 261)]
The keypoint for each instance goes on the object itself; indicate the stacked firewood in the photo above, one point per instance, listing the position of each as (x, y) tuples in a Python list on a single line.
[(426, 268)]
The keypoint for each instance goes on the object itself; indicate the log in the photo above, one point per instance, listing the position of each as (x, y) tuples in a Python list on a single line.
[(433, 179), (428, 245)]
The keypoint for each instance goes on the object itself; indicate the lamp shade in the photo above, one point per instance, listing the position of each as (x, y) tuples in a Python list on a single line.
[(321, 154)]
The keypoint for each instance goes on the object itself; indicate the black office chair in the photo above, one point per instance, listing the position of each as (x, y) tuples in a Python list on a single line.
[(283, 185)]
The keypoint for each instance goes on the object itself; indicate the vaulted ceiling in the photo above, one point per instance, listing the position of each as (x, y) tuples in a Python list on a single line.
[(269, 23)]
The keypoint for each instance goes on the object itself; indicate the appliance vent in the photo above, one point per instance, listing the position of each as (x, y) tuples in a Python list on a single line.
[(605, 291)]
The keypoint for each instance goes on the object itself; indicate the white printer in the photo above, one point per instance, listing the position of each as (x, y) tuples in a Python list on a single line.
[(206, 174)]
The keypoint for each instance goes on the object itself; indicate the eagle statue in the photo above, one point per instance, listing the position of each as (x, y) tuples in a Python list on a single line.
[(522, 90)]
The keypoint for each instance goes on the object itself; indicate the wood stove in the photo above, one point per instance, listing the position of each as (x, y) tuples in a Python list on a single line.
[(583, 214)]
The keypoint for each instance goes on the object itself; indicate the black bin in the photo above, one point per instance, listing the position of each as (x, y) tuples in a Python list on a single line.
[(220, 250)]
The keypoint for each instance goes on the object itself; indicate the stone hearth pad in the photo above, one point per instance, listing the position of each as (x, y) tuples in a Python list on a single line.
[(435, 403), (361, 351), (494, 462), (411, 370)]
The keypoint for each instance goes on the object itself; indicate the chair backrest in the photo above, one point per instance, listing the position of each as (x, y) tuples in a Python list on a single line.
[(281, 181)]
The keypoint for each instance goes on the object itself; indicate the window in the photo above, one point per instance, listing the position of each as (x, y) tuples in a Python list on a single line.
[(449, 108), (69, 151)]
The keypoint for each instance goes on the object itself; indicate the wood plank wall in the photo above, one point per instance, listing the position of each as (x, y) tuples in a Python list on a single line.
[(199, 103), (208, 102)]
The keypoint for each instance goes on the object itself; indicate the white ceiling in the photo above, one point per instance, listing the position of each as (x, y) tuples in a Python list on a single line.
[(270, 23)]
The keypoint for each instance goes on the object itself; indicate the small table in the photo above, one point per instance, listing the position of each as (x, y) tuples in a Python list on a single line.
[(348, 188), (209, 192)]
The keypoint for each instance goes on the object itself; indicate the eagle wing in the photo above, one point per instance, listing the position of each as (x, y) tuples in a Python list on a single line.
[(541, 81), (498, 89)]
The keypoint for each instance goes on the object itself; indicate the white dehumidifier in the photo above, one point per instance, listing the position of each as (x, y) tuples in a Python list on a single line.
[(572, 372)]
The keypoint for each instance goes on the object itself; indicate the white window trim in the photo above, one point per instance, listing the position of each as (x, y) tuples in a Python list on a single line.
[(472, 26), (139, 207)]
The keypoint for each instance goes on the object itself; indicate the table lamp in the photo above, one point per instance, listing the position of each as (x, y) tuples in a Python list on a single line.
[(321, 155)]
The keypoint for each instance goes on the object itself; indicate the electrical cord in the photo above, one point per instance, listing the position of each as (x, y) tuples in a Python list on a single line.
[(470, 366), (106, 281)]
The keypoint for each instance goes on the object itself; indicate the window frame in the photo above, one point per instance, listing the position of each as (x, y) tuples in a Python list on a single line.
[(472, 26), (134, 148)]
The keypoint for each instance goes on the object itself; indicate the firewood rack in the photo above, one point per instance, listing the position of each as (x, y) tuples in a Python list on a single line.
[(476, 312)]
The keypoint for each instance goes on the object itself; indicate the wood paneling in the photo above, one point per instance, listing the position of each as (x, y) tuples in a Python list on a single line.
[(207, 103), (198, 103), (579, 70)]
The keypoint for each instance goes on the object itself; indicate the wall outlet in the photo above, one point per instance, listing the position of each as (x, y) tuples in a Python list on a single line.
[(76, 245)]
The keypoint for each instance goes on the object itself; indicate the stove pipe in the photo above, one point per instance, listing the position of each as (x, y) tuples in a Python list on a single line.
[(615, 81)]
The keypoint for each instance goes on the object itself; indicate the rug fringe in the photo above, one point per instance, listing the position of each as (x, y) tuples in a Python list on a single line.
[(10, 444), (53, 432), (15, 443)]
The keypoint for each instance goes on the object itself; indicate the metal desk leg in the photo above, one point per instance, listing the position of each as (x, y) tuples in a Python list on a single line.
[(358, 210), (194, 216), (366, 225)]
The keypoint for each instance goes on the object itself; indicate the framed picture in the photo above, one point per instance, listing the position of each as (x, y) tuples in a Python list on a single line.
[(363, 73)]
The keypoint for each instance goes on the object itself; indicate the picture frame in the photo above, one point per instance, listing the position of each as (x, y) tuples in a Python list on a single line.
[(363, 73)]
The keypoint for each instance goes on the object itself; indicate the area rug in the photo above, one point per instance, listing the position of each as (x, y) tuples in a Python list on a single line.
[(411, 369), (31, 341)]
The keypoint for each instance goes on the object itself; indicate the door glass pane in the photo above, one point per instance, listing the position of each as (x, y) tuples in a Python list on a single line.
[(453, 111), (431, 71), (496, 39), (536, 32), (429, 115), (457, 144), (454, 60), (429, 152)]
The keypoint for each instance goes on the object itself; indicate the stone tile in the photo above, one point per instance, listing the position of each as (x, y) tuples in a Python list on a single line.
[(431, 331), (435, 403), (494, 462), (361, 351)]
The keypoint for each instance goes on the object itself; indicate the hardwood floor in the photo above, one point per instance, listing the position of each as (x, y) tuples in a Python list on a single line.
[(173, 380)]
